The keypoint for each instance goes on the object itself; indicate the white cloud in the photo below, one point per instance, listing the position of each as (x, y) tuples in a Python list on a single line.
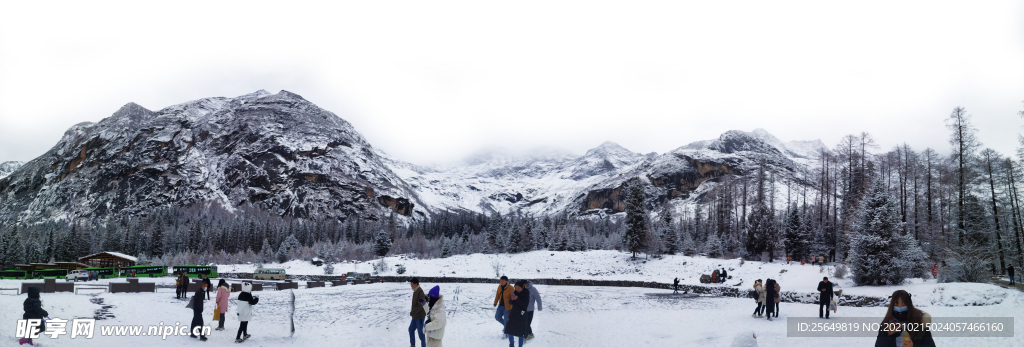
[(435, 82)]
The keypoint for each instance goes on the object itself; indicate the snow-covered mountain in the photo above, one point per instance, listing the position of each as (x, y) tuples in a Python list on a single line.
[(276, 152), (8, 167), (283, 154)]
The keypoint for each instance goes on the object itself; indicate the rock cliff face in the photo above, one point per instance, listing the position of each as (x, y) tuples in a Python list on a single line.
[(276, 152), (283, 154)]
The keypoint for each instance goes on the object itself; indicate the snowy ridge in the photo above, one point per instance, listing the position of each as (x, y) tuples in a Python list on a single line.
[(8, 167), (283, 154)]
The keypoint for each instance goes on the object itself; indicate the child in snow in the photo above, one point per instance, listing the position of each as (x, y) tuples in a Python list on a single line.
[(223, 294), (517, 325), (435, 318), (245, 302), (33, 310)]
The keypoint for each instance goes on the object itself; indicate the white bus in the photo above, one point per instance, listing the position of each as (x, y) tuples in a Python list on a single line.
[(268, 274)]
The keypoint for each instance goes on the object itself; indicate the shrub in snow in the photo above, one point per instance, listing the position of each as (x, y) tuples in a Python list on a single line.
[(380, 267), (382, 243), (329, 269), (496, 265), (401, 269), (841, 271), (880, 253)]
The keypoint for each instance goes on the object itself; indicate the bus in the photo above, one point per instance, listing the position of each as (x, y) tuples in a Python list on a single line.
[(13, 274), (196, 270), (102, 272), (144, 271), (268, 274), (50, 273)]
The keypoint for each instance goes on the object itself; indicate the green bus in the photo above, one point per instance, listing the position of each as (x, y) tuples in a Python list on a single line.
[(196, 270), (50, 273), (144, 271), (13, 274), (102, 272)]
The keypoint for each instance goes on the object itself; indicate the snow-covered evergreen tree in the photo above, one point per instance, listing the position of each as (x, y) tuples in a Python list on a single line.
[(689, 246), (714, 246), (267, 253), (636, 217), (288, 248), (382, 243), (796, 242), (512, 241), (880, 254), (446, 248)]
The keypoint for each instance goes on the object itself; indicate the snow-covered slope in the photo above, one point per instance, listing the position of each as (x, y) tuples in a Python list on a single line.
[(276, 152), (281, 153), (8, 167)]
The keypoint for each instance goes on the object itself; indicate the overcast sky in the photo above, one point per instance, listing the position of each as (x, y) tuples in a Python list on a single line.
[(431, 82)]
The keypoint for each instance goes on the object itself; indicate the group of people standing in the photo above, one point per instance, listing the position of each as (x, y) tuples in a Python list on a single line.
[(514, 305), (768, 298), (245, 301), (427, 315)]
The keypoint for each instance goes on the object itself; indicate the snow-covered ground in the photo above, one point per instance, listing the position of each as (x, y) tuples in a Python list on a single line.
[(614, 265), (377, 315)]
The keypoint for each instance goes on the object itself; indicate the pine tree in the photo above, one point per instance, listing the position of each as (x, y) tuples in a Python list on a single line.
[(689, 246), (512, 241), (446, 248), (796, 242), (156, 243), (267, 251), (880, 254), (49, 252), (381, 243), (714, 246), (288, 248), (636, 217), (972, 254)]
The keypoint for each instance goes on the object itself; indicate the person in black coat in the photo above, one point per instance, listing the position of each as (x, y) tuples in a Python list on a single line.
[(1009, 271), (518, 324), (197, 312), (901, 311), (209, 286), (769, 298), (34, 310), (824, 296), (725, 275)]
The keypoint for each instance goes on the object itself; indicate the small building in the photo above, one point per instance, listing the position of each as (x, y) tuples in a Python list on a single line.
[(109, 259)]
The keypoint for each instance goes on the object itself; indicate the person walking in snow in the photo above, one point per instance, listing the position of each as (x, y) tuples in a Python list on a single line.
[(209, 286), (33, 310), (503, 301), (436, 319), (245, 303), (725, 275), (517, 325), (417, 313), (535, 299), (197, 312), (223, 294), (902, 313), (769, 287), (759, 289), (675, 286), (1009, 271), (824, 296)]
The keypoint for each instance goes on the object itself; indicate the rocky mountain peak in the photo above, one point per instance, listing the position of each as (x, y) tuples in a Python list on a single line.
[(8, 167), (733, 141)]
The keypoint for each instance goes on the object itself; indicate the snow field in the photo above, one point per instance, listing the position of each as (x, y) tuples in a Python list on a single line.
[(377, 315)]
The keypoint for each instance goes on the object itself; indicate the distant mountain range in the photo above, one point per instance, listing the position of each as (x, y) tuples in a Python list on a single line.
[(283, 154)]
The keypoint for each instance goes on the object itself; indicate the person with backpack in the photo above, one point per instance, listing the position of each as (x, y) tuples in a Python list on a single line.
[(33, 307), (824, 297), (517, 325), (535, 299), (759, 297), (769, 287), (436, 319), (197, 312), (223, 294), (417, 313), (504, 298), (245, 303)]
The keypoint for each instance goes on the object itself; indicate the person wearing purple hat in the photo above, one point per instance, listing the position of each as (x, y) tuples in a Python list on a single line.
[(435, 317)]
